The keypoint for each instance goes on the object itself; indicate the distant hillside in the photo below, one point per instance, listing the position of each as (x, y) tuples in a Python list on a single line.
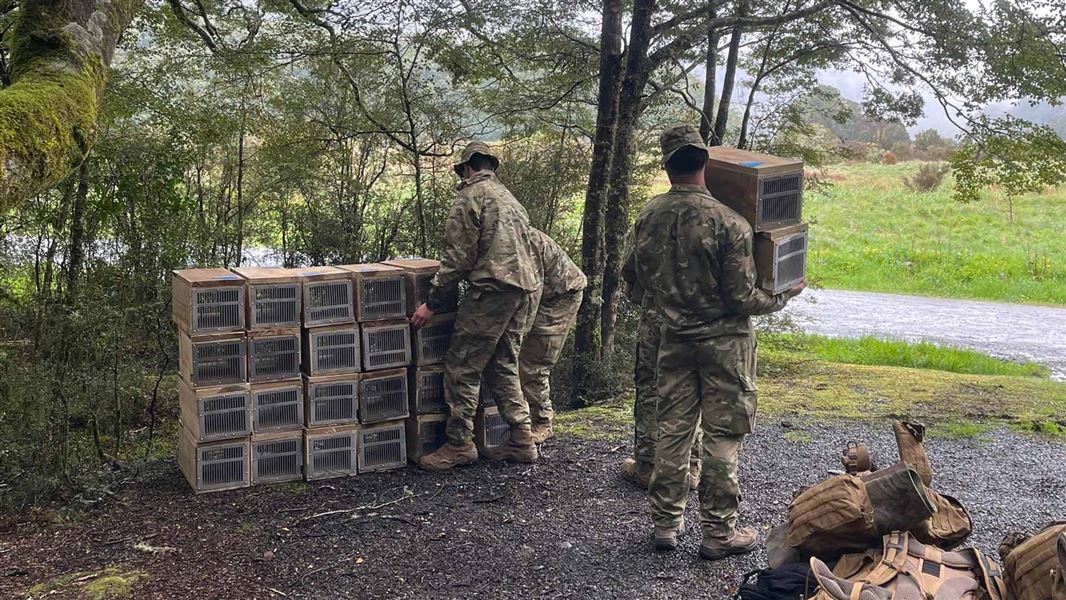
[(845, 119), (1043, 114)]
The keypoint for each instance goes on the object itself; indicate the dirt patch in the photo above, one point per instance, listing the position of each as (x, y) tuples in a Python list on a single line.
[(566, 527)]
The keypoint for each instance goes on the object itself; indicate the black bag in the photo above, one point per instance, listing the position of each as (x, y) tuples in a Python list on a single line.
[(792, 581)]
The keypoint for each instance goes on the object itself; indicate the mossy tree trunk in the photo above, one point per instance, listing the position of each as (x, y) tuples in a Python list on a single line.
[(60, 51)]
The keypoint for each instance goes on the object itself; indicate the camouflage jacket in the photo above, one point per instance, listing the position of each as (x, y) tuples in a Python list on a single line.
[(486, 242), (692, 257), (561, 275)]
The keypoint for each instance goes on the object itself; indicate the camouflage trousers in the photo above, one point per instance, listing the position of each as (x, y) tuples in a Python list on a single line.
[(645, 422), (488, 335), (541, 349), (713, 380)]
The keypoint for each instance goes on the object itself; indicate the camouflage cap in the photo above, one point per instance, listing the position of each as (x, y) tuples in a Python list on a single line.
[(677, 137), (471, 149)]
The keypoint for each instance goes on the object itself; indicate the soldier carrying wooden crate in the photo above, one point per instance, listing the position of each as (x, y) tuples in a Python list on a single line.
[(486, 242)]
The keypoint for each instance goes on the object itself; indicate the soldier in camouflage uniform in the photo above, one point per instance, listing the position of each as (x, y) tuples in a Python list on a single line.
[(694, 256), (487, 243), (560, 298), (638, 469)]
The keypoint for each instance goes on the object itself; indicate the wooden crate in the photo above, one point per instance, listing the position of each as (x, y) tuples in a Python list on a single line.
[(431, 342), (382, 447), (490, 428), (277, 456), (214, 466), (386, 345), (215, 359), (331, 452), (383, 396), (766, 190), (274, 355), (332, 349), (215, 413), (781, 257), (380, 291), (274, 296), (331, 399), (207, 301), (426, 387), (425, 434), (277, 406), (419, 273), (327, 296)]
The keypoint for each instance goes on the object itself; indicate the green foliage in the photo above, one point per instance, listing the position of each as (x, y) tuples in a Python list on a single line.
[(869, 233), (898, 353), (1016, 156)]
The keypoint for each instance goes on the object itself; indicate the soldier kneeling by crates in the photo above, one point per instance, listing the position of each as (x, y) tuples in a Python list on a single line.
[(486, 242), (560, 298)]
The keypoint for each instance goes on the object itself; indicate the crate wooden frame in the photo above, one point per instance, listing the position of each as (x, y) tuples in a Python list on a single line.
[(312, 278), (426, 345), (755, 184), (419, 273), (259, 440), (370, 414), (311, 436), (370, 442), (187, 347), (186, 283), (195, 416), (312, 345), (419, 428), (311, 416), (416, 386), (774, 248), (191, 461), (258, 389), (263, 335), (401, 356), (263, 279), (370, 279)]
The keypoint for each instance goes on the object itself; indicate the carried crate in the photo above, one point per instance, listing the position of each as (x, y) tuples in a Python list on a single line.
[(766, 190), (781, 257), (419, 274)]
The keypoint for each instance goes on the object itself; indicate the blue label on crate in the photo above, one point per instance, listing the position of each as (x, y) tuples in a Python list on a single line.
[(228, 277), (751, 163)]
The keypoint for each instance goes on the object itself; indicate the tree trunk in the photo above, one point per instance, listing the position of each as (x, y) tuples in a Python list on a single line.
[(722, 118), (629, 110), (586, 338), (60, 52), (707, 118), (77, 233)]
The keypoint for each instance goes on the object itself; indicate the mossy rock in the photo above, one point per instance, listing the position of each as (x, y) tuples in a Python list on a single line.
[(111, 583)]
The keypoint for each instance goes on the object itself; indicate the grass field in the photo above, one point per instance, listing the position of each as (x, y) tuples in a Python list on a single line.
[(868, 232), (895, 353)]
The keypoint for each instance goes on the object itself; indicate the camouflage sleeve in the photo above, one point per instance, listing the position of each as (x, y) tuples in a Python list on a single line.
[(462, 231), (739, 289)]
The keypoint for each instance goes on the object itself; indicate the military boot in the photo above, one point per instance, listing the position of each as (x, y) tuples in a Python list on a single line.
[(665, 538), (519, 446), (638, 473), (740, 541), (542, 432), (449, 456), (695, 470)]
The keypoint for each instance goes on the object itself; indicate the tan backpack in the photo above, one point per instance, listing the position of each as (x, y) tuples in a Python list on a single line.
[(949, 526), (1060, 585), (906, 569), (910, 436), (1033, 564), (849, 513)]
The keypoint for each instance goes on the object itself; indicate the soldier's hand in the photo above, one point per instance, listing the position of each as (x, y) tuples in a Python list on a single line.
[(796, 289), (422, 316)]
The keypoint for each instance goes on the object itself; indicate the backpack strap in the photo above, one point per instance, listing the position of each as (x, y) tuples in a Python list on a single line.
[(991, 576)]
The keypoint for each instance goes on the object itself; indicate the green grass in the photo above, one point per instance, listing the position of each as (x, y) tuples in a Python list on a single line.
[(898, 353), (868, 232)]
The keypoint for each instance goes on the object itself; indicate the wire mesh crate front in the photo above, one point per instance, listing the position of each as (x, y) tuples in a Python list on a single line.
[(278, 409), (386, 346), (331, 402), (332, 455), (277, 460), (275, 358), (382, 447), (334, 350), (275, 305), (383, 397)]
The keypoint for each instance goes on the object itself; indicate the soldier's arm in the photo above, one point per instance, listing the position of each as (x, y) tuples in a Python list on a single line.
[(739, 289), (462, 231)]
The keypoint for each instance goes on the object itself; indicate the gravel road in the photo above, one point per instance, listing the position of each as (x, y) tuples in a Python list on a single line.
[(566, 527), (1017, 332)]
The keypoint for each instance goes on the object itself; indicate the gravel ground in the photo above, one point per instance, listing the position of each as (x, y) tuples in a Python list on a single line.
[(567, 527)]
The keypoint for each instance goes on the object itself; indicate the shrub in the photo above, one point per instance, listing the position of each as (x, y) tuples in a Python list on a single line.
[(889, 158), (928, 177)]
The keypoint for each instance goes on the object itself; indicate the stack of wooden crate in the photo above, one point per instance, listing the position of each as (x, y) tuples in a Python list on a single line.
[(768, 192)]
